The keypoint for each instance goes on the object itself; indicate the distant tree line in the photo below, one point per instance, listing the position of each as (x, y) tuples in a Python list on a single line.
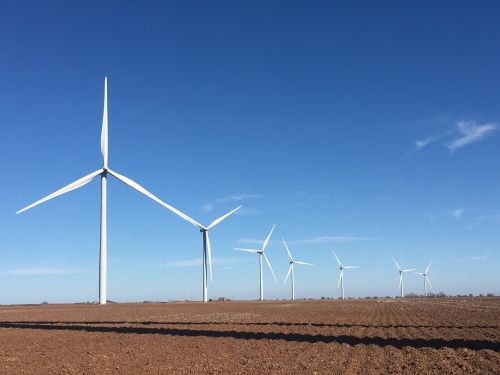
[(409, 295), (442, 295)]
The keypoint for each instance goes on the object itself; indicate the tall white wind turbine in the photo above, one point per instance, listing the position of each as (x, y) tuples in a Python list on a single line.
[(291, 270), (426, 278), (341, 278), (103, 172), (207, 251), (262, 255), (401, 271)]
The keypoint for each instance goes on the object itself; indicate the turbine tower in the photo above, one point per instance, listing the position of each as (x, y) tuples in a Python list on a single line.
[(401, 271), (341, 278), (103, 172), (262, 255), (426, 278), (291, 270), (207, 251)]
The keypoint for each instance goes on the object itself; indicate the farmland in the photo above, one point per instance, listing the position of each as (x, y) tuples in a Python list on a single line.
[(438, 335)]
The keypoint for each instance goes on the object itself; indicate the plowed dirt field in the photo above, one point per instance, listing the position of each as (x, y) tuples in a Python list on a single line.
[(438, 336)]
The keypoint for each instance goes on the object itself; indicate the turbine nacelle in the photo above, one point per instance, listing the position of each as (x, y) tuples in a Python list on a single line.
[(292, 262), (401, 271), (207, 249), (103, 172), (341, 276), (261, 254), (426, 278)]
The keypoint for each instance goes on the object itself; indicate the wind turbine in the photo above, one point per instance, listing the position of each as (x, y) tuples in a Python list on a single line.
[(401, 271), (341, 278), (426, 278), (262, 255), (207, 252), (103, 172), (291, 270)]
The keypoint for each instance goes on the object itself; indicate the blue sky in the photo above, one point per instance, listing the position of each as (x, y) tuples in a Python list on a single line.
[(371, 129)]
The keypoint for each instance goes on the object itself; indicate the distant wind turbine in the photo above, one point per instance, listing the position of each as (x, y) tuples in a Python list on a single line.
[(401, 271), (103, 172), (262, 255), (426, 278), (291, 270), (341, 278), (207, 252)]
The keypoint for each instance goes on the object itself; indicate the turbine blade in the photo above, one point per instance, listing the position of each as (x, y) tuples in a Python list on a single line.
[(142, 190), (268, 237), (209, 253), (396, 263), (287, 249), (74, 185), (288, 274), (336, 257), (340, 278), (104, 131), (350, 267), (247, 250), (428, 267), (307, 264), (271, 268), (217, 221), (429, 282), (420, 273), (408, 270)]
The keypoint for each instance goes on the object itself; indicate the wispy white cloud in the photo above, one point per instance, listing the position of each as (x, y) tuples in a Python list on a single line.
[(247, 211), (471, 132), (314, 240), (196, 262), (41, 271), (207, 207), (239, 197), (421, 143), (461, 134), (458, 213)]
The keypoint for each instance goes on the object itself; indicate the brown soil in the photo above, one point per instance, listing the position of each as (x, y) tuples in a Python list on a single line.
[(439, 336)]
